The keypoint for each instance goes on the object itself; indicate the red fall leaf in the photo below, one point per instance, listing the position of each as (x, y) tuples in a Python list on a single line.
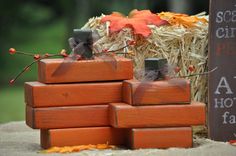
[(138, 21)]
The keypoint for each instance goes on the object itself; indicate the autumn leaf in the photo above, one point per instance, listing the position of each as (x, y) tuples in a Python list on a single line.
[(138, 21), (70, 149), (232, 142), (182, 19)]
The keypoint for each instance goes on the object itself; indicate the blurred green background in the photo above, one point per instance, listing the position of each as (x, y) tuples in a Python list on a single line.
[(43, 26)]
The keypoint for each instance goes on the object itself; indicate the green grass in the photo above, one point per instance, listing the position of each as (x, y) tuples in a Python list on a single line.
[(47, 38), (42, 39), (12, 104)]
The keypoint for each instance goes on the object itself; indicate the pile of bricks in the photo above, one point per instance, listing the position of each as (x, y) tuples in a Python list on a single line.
[(98, 102)]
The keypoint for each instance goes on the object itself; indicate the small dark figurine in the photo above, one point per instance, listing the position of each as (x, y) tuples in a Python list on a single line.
[(81, 44), (82, 49), (155, 68)]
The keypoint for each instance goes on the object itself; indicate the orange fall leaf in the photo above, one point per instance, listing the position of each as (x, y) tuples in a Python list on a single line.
[(70, 149), (138, 21), (182, 19)]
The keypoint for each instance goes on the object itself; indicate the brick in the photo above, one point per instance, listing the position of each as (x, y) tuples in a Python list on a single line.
[(123, 115), (60, 71), (67, 117), (48, 95), (160, 137), (157, 92), (82, 136)]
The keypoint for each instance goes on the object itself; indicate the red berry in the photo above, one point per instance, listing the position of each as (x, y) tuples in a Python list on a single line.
[(177, 69), (78, 57), (12, 51), (46, 55), (131, 42), (105, 50), (12, 81), (191, 68), (63, 53), (36, 56)]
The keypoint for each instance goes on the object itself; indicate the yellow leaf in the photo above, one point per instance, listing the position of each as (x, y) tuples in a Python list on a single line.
[(182, 19), (70, 149)]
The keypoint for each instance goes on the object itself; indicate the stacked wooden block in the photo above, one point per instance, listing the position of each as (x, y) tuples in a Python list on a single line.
[(158, 114), (97, 102), (70, 102)]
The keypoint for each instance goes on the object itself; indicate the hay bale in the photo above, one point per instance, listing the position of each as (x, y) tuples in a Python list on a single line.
[(181, 45)]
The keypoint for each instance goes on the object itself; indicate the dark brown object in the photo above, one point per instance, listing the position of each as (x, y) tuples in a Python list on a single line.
[(82, 136), (83, 43), (156, 92), (156, 66), (222, 82), (160, 137), (123, 115), (48, 95), (67, 117)]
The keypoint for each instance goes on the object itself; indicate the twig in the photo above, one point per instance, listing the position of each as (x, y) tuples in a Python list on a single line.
[(204, 73), (24, 53), (28, 66)]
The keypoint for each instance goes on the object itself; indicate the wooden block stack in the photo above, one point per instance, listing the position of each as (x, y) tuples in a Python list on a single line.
[(158, 114), (69, 104), (97, 102)]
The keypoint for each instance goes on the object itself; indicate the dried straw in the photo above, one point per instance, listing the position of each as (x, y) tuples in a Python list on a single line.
[(181, 46)]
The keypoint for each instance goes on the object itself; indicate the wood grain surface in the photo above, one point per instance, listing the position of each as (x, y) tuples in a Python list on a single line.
[(157, 92), (61, 71), (48, 95), (122, 115), (67, 117), (160, 137), (82, 136)]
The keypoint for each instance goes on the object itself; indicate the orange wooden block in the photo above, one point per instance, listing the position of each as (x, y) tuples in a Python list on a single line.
[(157, 92), (47, 95), (82, 136), (67, 117), (127, 116), (160, 137), (61, 71)]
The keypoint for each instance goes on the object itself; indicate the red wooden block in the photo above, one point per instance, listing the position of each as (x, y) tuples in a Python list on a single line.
[(48, 95), (67, 117), (157, 92), (61, 71), (160, 137), (123, 115), (82, 136)]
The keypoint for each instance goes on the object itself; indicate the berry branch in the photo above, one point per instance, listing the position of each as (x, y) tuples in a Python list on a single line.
[(37, 58), (197, 74), (191, 68), (63, 53)]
